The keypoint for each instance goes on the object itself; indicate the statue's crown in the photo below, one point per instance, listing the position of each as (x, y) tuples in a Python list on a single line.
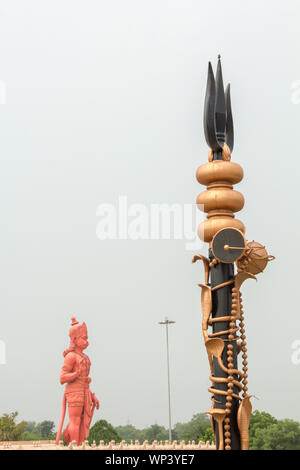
[(77, 329)]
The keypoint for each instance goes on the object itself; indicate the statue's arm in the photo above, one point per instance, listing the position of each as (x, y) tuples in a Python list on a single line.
[(95, 401), (67, 375)]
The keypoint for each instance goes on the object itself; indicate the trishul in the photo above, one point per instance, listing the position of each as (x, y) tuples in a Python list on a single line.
[(221, 300)]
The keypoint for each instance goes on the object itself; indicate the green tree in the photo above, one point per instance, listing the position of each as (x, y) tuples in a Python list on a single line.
[(45, 429), (103, 431), (9, 429), (27, 436), (282, 435), (208, 435), (155, 433), (129, 433), (259, 420), (30, 427), (194, 430)]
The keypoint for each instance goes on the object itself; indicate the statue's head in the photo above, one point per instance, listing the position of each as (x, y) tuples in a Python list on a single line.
[(78, 336), (78, 333)]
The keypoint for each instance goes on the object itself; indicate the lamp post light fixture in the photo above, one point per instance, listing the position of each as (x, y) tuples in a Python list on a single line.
[(168, 322)]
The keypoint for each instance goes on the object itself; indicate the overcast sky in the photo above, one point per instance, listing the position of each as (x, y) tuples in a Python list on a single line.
[(105, 98)]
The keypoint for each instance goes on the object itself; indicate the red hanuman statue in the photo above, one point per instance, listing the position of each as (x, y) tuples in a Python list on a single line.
[(75, 374)]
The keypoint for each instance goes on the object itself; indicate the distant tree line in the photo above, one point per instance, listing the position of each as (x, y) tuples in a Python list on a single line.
[(198, 428), (24, 431), (266, 432)]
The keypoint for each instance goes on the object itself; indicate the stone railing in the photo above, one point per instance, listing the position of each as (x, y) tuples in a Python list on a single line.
[(112, 445)]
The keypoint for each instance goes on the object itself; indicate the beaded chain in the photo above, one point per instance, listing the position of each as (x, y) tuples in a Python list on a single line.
[(243, 349), (230, 378), (232, 325)]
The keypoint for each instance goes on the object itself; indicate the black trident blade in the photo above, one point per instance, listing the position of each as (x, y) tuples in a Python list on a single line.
[(229, 121), (220, 107), (209, 111), (218, 124)]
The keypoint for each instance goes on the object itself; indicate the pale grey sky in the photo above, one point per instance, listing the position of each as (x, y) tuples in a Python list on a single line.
[(105, 98)]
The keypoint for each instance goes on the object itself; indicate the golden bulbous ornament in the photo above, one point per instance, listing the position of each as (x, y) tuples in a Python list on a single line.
[(219, 170), (216, 221), (220, 196), (220, 200)]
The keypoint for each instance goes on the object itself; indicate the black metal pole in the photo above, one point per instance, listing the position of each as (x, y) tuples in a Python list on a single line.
[(221, 302)]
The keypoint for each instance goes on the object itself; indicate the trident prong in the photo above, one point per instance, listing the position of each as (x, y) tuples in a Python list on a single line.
[(218, 123)]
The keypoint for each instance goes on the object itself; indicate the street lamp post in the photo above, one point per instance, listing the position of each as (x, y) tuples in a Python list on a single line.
[(167, 323)]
